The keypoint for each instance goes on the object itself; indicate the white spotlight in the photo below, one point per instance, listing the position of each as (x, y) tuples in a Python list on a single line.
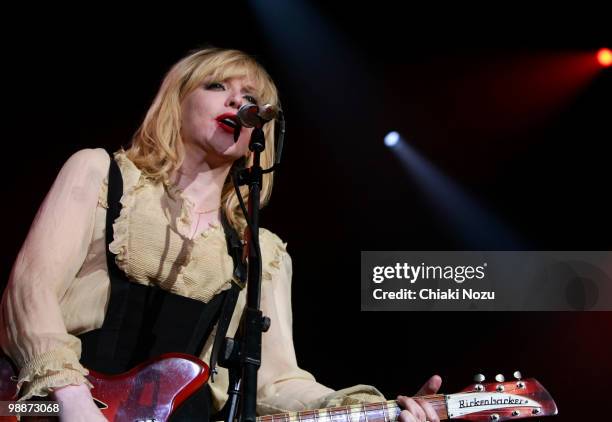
[(392, 139)]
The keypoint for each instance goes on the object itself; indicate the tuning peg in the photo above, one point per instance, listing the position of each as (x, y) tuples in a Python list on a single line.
[(517, 375), (479, 378), (499, 378)]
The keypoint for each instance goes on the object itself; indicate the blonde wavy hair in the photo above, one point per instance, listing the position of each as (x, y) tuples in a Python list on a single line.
[(157, 147)]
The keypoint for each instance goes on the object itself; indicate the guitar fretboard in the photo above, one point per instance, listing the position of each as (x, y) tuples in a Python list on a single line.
[(370, 412)]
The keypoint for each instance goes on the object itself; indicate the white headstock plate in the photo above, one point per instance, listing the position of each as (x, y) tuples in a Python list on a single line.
[(467, 403)]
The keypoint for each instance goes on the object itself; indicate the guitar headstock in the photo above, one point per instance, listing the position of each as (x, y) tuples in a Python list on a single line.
[(501, 400)]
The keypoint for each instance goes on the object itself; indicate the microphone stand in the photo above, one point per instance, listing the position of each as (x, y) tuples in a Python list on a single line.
[(242, 355)]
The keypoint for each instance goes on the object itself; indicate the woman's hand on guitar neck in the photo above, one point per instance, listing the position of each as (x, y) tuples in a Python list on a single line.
[(77, 404), (416, 410)]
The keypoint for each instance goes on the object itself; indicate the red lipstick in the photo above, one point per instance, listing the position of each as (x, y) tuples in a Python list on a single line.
[(228, 122)]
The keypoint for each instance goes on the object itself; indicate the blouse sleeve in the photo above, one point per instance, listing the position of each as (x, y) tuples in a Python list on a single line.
[(282, 385), (32, 329)]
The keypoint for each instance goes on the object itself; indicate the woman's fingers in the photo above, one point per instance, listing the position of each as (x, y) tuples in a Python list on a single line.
[(430, 413), (412, 408), (406, 416), (431, 386)]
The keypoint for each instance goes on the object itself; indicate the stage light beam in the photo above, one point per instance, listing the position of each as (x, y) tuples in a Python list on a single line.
[(478, 228), (604, 57)]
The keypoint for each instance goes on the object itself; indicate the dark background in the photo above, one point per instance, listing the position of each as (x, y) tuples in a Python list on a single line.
[(454, 82)]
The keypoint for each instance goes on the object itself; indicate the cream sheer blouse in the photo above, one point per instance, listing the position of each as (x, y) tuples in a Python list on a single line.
[(59, 285)]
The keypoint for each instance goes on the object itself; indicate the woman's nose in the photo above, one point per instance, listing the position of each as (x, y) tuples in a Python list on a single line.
[(234, 101)]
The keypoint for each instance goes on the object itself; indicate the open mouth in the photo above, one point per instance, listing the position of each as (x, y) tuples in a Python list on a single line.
[(228, 123)]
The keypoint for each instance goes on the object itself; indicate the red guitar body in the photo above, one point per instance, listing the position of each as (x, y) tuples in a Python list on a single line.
[(149, 391), (153, 390)]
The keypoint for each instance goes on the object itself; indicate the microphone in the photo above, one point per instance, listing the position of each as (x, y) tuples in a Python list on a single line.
[(252, 115)]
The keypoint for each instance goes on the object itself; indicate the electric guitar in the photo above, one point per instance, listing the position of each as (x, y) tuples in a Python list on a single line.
[(152, 391)]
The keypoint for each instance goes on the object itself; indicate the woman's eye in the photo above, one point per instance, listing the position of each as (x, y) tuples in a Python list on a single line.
[(215, 85), (250, 99)]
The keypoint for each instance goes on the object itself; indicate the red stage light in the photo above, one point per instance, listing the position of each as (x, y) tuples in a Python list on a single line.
[(604, 57)]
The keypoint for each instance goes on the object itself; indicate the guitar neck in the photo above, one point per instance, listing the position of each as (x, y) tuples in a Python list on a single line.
[(371, 412)]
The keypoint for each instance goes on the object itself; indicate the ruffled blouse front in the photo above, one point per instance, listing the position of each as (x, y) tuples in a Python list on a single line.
[(151, 240)]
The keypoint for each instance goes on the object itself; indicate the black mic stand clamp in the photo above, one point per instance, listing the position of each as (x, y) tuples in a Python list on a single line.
[(242, 355)]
